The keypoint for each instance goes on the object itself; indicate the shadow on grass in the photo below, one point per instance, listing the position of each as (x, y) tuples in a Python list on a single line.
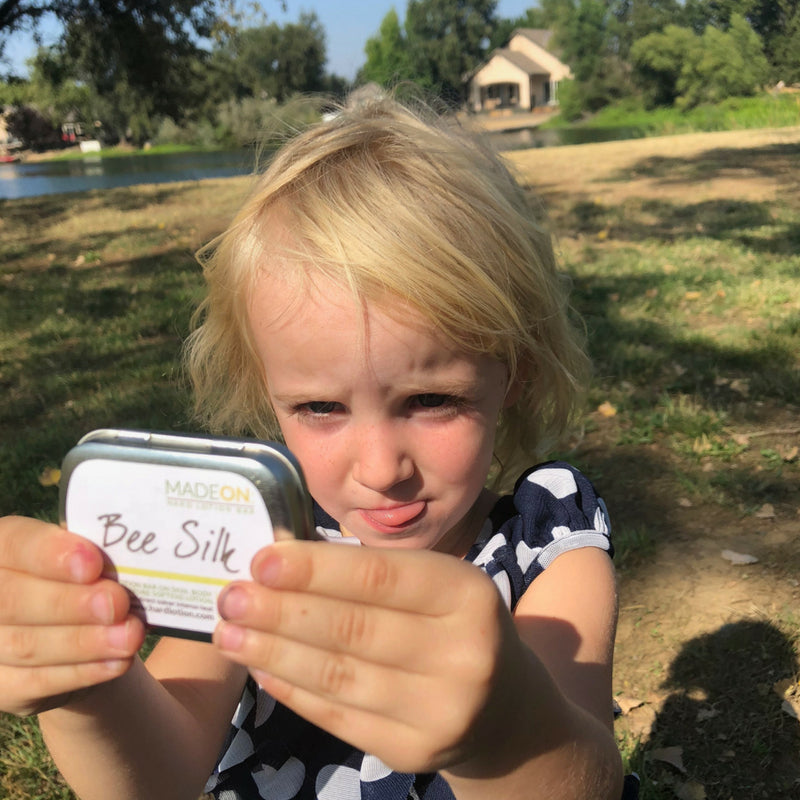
[(56, 207), (724, 712), (657, 358), (88, 348), (769, 161)]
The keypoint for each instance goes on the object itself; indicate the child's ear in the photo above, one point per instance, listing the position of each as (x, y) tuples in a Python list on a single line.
[(523, 374), (513, 391)]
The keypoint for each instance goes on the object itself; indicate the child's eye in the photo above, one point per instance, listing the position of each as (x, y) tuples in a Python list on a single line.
[(432, 400), (319, 407)]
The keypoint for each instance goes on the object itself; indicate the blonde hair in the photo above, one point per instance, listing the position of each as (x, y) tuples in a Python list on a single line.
[(397, 203)]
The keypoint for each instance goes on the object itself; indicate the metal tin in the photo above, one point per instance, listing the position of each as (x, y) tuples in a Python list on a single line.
[(179, 516)]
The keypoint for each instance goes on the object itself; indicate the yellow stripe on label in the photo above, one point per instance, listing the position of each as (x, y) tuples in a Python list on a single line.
[(171, 576)]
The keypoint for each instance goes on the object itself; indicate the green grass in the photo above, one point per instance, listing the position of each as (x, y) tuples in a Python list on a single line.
[(735, 113), (692, 313)]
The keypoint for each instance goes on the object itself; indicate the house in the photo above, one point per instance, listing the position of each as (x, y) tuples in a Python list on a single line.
[(522, 76)]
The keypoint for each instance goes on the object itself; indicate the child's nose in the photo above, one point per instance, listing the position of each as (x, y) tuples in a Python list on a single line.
[(382, 459)]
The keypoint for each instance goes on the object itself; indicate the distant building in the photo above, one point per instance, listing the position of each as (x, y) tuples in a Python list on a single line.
[(522, 76)]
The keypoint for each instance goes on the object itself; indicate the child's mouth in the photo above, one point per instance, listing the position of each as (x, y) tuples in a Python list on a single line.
[(394, 518)]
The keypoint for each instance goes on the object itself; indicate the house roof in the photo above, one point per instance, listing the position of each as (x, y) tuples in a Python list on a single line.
[(522, 61), (538, 36)]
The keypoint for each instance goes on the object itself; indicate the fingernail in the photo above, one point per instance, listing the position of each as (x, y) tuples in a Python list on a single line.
[(115, 666), (229, 637), (102, 607), (269, 570), (233, 602), (117, 636), (79, 565)]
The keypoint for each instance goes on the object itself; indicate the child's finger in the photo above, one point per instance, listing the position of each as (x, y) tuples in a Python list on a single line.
[(26, 646), (349, 681), (407, 580), (39, 548), (29, 691), (29, 600), (375, 634)]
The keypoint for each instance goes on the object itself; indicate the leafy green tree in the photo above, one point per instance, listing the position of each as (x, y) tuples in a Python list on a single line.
[(586, 33), (678, 66), (635, 19), (726, 64), (388, 56), (447, 39), (271, 61), (784, 50), (658, 60), (775, 21)]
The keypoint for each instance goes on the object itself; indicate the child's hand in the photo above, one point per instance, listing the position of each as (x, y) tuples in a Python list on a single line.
[(401, 653), (62, 627)]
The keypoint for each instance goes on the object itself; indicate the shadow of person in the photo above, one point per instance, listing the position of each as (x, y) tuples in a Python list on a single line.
[(724, 732)]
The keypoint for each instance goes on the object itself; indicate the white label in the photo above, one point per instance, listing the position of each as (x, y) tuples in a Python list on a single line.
[(173, 536)]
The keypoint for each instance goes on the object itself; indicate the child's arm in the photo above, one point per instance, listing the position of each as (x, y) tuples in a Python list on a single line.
[(567, 618), (68, 649), (412, 656), (153, 733)]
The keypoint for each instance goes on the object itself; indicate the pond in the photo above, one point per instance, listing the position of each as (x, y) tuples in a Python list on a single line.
[(95, 172)]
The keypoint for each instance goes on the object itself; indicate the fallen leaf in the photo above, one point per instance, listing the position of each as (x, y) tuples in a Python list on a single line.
[(606, 409), (685, 502), (741, 439), (702, 444), (767, 511), (692, 295), (614, 297), (50, 476), (691, 790), (789, 454), (787, 687), (626, 704), (651, 293), (791, 707), (740, 386), (640, 721), (669, 755), (738, 558), (707, 713)]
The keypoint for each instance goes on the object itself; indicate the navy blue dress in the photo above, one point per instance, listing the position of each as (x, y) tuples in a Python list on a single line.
[(273, 754)]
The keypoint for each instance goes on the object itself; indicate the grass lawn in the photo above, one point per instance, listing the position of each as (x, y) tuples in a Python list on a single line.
[(685, 257)]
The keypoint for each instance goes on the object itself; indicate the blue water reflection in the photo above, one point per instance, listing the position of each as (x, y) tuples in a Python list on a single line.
[(94, 172)]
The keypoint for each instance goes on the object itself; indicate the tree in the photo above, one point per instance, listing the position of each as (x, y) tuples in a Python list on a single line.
[(176, 21), (271, 61), (388, 56), (586, 33), (447, 39), (658, 60), (776, 22), (726, 64), (678, 66)]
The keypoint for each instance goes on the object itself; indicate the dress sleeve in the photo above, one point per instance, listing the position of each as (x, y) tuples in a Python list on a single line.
[(554, 509)]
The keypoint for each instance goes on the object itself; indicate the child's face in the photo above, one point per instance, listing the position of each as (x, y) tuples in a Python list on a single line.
[(393, 427)]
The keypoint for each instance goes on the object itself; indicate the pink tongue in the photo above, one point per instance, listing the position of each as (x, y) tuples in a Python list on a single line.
[(395, 517)]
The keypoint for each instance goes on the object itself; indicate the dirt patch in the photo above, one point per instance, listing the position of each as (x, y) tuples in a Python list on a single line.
[(707, 658), (719, 165)]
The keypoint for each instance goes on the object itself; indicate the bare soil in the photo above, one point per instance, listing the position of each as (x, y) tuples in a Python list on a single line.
[(707, 649)]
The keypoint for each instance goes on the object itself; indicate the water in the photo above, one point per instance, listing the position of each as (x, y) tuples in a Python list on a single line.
[(94, 172), (526, 138)]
